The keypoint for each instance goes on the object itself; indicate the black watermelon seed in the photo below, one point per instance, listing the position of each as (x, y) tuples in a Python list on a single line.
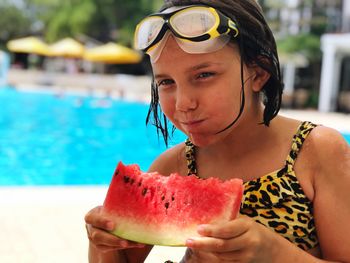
[(144, 191), (126, 179), (163, 197), (166, 205)]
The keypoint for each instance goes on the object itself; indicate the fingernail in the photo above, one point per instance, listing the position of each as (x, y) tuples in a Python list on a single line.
[(124, 243), (110, 225), (189, 243), (202, 229)]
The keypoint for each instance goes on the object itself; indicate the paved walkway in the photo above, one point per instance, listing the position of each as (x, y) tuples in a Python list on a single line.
[(338, 121), (46, 225), (135, 88)]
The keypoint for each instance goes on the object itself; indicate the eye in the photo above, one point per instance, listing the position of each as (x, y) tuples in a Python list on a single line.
[(165, 82), (205, 75)]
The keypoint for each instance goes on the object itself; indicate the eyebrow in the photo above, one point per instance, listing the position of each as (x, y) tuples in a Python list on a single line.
[(192, 68), (161, 76), (203, 66)]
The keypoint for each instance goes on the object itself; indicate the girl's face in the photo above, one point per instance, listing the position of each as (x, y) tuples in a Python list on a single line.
[(201, 93)]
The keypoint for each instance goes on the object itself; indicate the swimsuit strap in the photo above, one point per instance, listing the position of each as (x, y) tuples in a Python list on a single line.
[(298, 139), (190, 152)]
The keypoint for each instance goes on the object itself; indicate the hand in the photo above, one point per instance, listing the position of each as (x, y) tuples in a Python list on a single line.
[(97, 227), (239, 240)]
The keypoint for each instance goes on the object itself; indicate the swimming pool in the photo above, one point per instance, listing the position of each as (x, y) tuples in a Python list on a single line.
[(72, 140)]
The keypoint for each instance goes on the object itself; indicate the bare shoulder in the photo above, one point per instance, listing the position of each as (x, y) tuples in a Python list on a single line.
[(331, 184), (328, 147), (329, 155), (170, 161)]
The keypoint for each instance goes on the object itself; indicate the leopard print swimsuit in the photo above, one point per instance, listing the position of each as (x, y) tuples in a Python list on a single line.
[(277, 200)]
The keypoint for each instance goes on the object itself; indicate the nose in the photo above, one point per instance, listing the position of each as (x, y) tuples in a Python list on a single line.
[(186, 99)]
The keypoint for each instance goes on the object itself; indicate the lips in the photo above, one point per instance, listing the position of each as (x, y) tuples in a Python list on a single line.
[(191, 124)]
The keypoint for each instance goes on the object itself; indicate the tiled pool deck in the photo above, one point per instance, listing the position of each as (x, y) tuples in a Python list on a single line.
[(46, 224)]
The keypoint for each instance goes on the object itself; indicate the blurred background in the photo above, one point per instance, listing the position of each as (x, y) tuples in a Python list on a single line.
[(74, 97), (309, 33)]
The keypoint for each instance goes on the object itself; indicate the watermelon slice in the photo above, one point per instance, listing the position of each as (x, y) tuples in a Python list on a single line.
[(165, 210)]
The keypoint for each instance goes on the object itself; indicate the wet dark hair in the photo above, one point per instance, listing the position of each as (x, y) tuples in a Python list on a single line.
[(257, 46)]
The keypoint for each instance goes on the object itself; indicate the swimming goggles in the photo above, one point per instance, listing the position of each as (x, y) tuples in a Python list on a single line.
[(197, 29)]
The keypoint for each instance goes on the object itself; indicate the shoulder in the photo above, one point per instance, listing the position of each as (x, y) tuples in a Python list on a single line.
[(329, 150), (331, 184), (326, 143), (170, 161)]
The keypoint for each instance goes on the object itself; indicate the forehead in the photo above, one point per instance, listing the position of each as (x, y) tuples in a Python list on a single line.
[(173, 56)]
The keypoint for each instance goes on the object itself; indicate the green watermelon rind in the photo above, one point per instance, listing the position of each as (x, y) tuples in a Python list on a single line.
[(161, 235)]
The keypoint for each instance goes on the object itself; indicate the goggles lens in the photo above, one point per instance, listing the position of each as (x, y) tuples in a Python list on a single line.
[(207, 46), (147, 31), (194, 23)]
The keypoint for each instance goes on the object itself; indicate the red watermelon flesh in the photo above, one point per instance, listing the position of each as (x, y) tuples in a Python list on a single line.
[(165, 210)]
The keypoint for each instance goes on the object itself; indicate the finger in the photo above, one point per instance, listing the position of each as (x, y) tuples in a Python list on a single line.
[(105, 249), (211, 244), (88, 230), (102, 238), (95, 218), (130, 244), (232, 256), (225, 230)]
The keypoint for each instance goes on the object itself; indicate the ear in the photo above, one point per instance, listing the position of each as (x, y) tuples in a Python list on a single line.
[(260, 77)]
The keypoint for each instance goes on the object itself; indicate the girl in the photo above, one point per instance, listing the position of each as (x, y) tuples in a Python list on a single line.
[(217, 79)]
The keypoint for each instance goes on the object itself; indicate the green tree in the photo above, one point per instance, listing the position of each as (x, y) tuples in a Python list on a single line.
[(13, 22), (62, 18), (306, 44), (70, 20), (104, 20), (116, 19)]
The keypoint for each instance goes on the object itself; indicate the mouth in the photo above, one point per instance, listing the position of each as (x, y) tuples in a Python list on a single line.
[(192, 124)]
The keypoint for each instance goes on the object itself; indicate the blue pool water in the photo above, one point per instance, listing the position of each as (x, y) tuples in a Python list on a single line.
[(50, 140), (70, 140), (347, 137)]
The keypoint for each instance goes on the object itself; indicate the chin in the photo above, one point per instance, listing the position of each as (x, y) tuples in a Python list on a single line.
[(201, 140)]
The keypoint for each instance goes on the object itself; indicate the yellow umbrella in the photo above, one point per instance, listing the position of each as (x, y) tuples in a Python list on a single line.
[(67, 47), (28, 45), (112, 53)]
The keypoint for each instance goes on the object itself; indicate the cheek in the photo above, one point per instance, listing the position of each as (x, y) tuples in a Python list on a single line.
[(167, 104), (227, 100)]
